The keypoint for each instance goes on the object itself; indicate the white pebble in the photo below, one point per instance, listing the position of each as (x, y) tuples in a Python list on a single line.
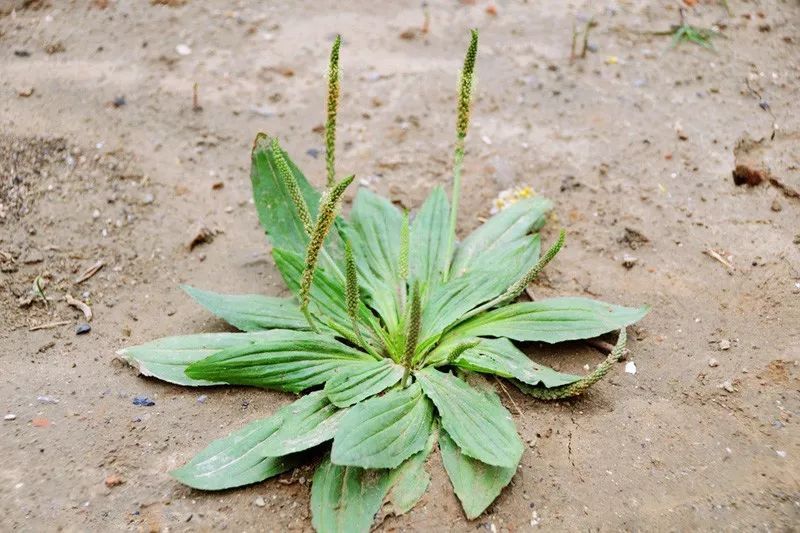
[(183, 49), (781, 453), (10, 416), (630, 367), (259, 502)]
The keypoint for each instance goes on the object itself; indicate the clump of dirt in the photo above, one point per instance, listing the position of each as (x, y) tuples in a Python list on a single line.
[(774, 161), (25, 164)]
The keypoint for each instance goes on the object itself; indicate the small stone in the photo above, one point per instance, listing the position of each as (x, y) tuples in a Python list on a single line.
[(83, 329), (724, 344), (10, 416), (46, 399), (259, 502), (776, 206), (96, 214), (781, 453), (143, 401), (148, 199), (727, 386), (202, 398), (183, 49), (118, 101), (630, 367), (628, 261), (713, 363), (113, 480)]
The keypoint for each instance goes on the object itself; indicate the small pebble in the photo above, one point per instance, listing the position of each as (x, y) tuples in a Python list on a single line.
[(46, 399), (727, 386), (781, 453), (183, 49), (724, 344), (143, 401), (313, 152), (148, 199), (10, 416), (628, 261), (630, 367), (776, 206), (118, 101), (202, 398), (713, 362), (259, 502), (83, 328)]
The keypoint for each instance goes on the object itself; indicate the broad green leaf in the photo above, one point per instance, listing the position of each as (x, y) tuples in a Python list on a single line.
[(553, 320), (282, 360), (327, 295), (374, 231), (449, 302), (513, 222), (429, 240), (309, 421), (167, 358), (410, 480), (475, 483), (345, 499), (354, 383), (251, 312), (383, 432), (477, 421), (276, 212), (502, 358), (233, 461)]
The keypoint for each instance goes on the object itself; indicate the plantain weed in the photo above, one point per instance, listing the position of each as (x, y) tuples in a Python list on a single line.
[(390, 317)]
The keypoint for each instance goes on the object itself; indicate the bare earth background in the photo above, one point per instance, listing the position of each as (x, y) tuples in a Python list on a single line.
[(103, 158)]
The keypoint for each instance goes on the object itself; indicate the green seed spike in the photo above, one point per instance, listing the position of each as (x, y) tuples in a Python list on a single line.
[(329, 206), (461, 348), (517, 288), (404, 243), (291, 185), (351, 290), (467, 74), (462, 125), (412, 332), (579, 387), (333, 103)]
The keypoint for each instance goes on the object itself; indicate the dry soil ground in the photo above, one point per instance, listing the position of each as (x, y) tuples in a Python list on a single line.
[(102, 158)]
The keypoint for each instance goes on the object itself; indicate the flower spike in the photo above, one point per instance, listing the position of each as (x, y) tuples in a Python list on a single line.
[(333, 103), (412, 332), (292, 187), (351, 290), (329, 207)]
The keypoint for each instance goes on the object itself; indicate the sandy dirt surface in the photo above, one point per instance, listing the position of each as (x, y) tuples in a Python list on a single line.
[(102, 158)]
